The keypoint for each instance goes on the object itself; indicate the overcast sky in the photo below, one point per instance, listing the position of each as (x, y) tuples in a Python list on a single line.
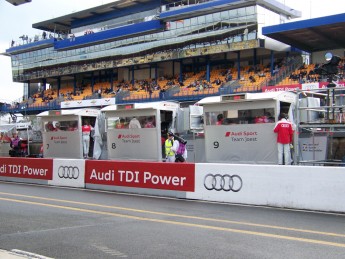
[(17, 20)]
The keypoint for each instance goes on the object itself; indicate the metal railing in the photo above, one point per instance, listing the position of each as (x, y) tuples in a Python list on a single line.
[(285, 71)]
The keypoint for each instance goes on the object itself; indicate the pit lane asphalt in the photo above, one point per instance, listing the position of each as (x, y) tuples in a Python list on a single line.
[(78, 223)]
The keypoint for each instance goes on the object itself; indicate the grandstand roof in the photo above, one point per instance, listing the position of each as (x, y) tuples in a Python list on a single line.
[(324, 33), (67, 22)]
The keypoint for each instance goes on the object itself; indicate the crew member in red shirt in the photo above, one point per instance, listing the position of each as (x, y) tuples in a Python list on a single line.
[(284, 131), (86, 130), (220, 119)]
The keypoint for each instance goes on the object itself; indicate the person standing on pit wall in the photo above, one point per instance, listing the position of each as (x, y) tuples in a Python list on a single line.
[(171, 147), (86, 130), (284, 131)]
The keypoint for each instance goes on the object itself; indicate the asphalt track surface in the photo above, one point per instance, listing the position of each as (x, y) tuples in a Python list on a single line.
[(77, 223)]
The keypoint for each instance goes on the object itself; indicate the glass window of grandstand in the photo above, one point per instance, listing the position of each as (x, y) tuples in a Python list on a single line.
[(131, 122), (71, 125), (249, 116), (199, 24)]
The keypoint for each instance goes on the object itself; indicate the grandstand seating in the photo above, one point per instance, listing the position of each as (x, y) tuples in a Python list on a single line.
[(303, 74), (252, 80), (138, 92)]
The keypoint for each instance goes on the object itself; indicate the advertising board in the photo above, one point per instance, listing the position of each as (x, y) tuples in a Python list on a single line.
[(30, 168), (243, 143), (163, 176), (68, 172)]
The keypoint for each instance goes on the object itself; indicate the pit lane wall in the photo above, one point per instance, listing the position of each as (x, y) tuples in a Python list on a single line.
[(296, 187)]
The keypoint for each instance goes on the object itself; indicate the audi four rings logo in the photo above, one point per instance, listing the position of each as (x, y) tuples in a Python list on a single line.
[(223, 182), (68, 172)]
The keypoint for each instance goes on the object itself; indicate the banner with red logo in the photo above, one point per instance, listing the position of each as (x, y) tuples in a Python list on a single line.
[(324, 84), (143, 144), (305, 86), (62, 144), (31, 168), (242, 143), (151, 175), (280, 88)]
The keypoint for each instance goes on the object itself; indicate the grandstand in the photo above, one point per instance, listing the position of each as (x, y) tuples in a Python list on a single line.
[(137, 51)]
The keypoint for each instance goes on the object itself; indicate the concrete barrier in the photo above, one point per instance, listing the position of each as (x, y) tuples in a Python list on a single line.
[(297, 187)]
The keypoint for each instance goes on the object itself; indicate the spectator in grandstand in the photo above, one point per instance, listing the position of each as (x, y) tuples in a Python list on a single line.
[(119, 89), (171, 147), (261, 74), (134, 124), (72, 37), (251, 69), (217, 81), (293, 76), (252, 79), (284, 131), (276, 69), (86, 131), (162, 93), (228, 77), (150, 92), (197, 88)]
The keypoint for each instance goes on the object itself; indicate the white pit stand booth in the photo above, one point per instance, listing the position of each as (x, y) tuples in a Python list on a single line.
[(62, 135)]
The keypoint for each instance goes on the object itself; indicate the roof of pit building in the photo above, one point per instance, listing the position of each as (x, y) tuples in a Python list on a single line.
[(311, 35)]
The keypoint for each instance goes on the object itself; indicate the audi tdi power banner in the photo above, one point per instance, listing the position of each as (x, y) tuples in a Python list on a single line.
[(29, 168), (151, 175)]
